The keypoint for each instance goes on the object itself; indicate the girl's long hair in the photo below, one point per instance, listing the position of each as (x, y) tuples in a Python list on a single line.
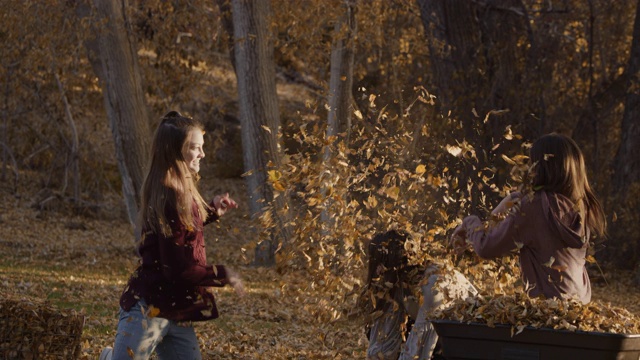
[(169, 183), (559, 167)]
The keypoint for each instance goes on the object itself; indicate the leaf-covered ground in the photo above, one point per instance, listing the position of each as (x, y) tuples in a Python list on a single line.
[(83, 263)]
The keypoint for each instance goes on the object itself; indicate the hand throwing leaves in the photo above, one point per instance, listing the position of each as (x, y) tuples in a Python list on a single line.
[(459, 239), (222, 203), (234, 280)]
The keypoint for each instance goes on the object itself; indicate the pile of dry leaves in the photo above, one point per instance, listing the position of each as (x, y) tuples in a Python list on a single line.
[(32, 329), (521, 311)]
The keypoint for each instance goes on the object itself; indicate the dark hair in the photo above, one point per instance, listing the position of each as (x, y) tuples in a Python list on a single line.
[(388, 264), (559, 167)]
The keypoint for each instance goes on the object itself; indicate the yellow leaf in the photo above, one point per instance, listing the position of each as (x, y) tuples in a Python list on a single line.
[(420, 169), (590, 259), (278, 186), (508, 160), (153, 311), (454, 150), (371, 202), (274, 175), (520, 159), (393, 192)]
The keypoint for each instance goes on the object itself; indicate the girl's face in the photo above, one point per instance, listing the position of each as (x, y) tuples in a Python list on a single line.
[(192, 150)]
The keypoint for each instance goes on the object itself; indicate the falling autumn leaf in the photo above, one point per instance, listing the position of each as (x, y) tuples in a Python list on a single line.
[(550, 262), (152, 311), (277, 185), (274, 175), (266, 128), (508, 159), (454, 150)]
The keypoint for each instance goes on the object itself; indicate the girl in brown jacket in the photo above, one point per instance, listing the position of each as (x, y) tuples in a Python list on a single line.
[(551, 226)]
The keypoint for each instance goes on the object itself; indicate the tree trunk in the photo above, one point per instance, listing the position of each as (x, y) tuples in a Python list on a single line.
[(91, 43), (340, 99), (226, 18), (480, 59), (259, 117), (341, 81), (124, 99), (5, 124), (74, 163), (627, 161), (625, 248)]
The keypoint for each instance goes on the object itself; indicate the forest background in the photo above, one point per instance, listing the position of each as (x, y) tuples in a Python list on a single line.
[(327, 120)]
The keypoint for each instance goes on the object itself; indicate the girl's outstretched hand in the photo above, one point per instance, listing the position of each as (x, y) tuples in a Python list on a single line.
[(459, 239), (223, 203), (234, 280), (510, 203)]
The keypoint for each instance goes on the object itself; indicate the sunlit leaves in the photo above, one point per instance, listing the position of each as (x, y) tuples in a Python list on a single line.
[(508, 159), (454, 150), (274, 178), (392, 192), (360, 190), (520, 310)]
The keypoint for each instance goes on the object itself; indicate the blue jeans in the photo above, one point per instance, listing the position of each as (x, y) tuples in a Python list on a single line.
[(138, 336)]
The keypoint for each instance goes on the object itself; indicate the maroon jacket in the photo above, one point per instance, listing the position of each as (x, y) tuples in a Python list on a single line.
[(553, 243), (174, 275)]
